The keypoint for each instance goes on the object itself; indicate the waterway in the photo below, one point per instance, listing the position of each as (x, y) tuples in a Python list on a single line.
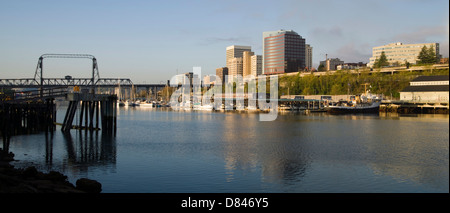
[(160, 150)]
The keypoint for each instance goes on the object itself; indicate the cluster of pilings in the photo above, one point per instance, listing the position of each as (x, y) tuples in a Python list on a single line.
[(93, 109), (26, 118)]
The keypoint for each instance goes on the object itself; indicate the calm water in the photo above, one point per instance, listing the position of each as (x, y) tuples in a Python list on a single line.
[(168, 151)]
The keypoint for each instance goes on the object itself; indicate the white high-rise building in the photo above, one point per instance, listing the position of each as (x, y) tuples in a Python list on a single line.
[(308, 56)]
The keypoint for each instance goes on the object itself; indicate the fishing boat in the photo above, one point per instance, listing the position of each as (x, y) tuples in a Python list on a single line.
[(372, 107), (365, 103)]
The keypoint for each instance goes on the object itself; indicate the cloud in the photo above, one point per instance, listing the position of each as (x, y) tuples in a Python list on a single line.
[(353, 53), (423, 35), (335, 31), (226, 41)]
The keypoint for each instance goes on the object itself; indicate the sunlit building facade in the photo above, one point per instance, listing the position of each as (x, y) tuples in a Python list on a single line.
[(400, 53), (283, 52)]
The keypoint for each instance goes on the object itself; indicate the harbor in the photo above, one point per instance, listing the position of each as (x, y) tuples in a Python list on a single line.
[(226, 152)]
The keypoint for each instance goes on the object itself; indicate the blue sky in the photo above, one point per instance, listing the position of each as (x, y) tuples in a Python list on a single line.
[(150, 41)]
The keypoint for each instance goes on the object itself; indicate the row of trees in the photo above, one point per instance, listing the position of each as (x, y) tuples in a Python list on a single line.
[(427, 56), (344, 82)]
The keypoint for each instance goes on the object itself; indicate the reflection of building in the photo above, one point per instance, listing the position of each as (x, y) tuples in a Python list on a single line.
[(432, 89), (283, 52), (400, 53)]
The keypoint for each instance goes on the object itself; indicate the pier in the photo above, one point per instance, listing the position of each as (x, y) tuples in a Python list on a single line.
[(32, 109), (414, 107), (92, 108)]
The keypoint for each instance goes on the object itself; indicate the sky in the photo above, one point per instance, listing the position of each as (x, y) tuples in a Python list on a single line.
[(151, 41)]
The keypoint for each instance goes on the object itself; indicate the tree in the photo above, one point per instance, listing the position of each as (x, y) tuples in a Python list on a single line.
[(381, 61), (427, 56), (321, 68)]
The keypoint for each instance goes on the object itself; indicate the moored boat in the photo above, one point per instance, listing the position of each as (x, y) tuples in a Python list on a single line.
[(366, 103), (373, 107)]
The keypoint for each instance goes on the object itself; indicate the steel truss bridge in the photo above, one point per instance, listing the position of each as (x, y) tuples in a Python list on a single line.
[(95, 81)]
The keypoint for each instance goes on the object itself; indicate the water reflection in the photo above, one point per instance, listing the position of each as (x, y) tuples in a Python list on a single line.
[(173, 151), (88, 149), (275, 149), (73, 153)]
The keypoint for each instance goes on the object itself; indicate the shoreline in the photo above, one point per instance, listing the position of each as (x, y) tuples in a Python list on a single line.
[(30, 180)]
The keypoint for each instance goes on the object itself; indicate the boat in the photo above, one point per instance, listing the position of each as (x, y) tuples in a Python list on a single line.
[(147, 104), (362, 104), (120, 103), (374, 107), (199, 106)]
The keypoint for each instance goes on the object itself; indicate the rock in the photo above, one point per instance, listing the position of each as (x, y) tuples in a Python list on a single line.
[(4, 156), (30, 172), (55, 176), (88, 185), (30, 180)]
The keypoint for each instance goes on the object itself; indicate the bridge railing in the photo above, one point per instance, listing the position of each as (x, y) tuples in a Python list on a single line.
[(32, 95)]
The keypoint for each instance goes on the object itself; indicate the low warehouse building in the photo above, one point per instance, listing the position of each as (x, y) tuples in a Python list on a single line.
[(427, 89)]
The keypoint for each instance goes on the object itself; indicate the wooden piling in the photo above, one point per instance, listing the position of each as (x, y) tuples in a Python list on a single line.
[(26, 118)]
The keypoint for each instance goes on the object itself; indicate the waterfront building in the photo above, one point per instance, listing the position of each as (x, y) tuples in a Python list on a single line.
[(283, 52), (246, 63), (256, 65), (331, 63), (430, 89), (235, 51), (401, 53), (221, 73), (308, 57)]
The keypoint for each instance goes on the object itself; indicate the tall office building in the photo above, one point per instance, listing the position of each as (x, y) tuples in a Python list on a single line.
[(247, 63), (308, 56), (256, 65), (399, 53), (221, 73), (283, 51), (236, 51), (236, 68)]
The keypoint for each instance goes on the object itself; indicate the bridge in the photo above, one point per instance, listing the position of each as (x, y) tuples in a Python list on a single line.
[(42, 83)]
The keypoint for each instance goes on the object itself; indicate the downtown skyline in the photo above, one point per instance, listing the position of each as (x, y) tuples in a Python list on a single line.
[(149, 42)]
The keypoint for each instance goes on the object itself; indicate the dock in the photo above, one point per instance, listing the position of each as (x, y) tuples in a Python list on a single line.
[(414, 107)]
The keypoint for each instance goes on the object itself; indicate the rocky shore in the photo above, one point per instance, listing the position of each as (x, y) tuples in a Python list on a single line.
[(30, 180)]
